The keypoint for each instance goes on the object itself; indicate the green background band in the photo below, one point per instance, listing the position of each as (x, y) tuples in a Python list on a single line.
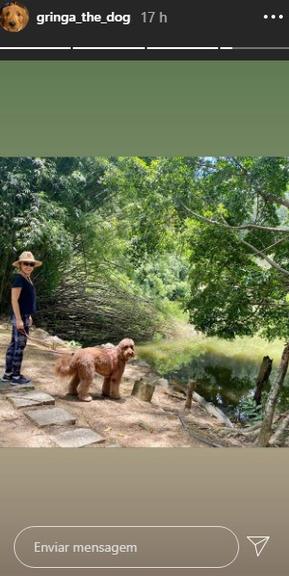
[(107, 108), (146, 108)]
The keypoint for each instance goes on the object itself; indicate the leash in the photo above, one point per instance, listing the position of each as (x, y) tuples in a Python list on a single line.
[(45, 348)]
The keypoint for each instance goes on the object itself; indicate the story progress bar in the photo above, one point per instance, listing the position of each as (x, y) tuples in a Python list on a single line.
[(185, 48)]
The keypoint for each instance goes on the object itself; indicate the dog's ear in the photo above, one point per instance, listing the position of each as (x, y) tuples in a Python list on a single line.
[(26, 16)]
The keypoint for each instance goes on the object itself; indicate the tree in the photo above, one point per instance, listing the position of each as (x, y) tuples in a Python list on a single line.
[(232, 215), (240, 255), (72, 213)]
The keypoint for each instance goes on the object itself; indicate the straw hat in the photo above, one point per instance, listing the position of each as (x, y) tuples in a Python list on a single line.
[(27, 257)]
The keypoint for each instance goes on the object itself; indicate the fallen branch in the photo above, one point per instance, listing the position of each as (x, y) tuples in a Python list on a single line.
[(240, 433), (213, 410), (177, 396), (256, 426), (196, 436)]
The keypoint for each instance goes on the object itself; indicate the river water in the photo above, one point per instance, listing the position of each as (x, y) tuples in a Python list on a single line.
[(226, 381)]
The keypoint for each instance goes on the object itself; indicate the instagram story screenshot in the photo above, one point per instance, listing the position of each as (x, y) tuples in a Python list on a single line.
[(144, 288)]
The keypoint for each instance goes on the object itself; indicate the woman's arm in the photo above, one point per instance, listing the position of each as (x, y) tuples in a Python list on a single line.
[(15, 295)]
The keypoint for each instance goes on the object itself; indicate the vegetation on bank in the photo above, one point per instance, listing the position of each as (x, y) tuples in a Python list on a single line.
[(166, 355)]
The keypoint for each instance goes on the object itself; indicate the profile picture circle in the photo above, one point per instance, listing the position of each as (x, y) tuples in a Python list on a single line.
[(14, 16)]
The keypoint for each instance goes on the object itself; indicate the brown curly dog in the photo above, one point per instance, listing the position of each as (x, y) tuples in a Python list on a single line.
[(13, 16), (83, 364)]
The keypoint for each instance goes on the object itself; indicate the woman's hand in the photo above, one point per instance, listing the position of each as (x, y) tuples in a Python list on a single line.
[(30, 321), (19, 325)]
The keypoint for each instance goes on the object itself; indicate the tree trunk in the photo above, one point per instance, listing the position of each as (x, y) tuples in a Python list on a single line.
[(5, 275), (190, 389), (263, 377), (143, 390), (266, 428), (281, 433)]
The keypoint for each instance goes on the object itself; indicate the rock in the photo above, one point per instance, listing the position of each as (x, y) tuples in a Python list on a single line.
[(77, 438), (39, 333), (140, 363), (25, 399), (163, 382), (54, 341), (6, 387), (50, 417)]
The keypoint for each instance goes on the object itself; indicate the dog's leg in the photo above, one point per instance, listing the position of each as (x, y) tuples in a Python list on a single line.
[(86, 374), (83, 390), (111, 384), (110, 387), (115, 380), (106, 386), (73, 384), (114, 388)]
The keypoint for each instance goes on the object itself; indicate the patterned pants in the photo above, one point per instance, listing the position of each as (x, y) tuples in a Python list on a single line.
[(14, 354)]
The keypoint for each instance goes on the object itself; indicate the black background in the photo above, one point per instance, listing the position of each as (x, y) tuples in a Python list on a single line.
[(210, 23)]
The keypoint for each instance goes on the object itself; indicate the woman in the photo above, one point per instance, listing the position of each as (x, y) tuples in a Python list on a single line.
[(23, 300)]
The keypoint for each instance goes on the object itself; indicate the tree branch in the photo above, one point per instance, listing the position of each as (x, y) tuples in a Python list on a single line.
[(265, 195), (259, 227), (240, 227), (265, 257), (273, 198), (253, 248), (273, 245)]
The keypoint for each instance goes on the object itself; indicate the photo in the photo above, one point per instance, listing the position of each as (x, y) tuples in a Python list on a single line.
[(14, 16), (144, 301)]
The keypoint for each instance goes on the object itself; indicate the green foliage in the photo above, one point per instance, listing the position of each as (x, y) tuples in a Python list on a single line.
[(249, 411), (163, 229), (169, 355), (233, 291)]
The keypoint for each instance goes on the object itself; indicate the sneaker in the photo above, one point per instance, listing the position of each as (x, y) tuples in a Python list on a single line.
[(20, 380), (6, 377)]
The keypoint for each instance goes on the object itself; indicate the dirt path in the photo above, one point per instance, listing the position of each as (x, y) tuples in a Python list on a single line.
[(124, 423)]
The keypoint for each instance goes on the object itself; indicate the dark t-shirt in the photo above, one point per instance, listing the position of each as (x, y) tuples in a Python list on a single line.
[(27, 298)]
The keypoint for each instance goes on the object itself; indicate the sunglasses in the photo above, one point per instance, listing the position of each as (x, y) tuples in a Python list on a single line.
[(31, 264)]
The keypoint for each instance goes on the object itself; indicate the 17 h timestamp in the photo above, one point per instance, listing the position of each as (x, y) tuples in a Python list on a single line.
[(153, 17)]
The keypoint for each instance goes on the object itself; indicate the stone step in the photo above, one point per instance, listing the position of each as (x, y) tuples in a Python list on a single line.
[(50, 417), (6, 387), (77, 438), (33, 398)]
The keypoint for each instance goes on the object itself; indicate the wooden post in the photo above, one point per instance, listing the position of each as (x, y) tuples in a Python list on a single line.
[(190, 389), (262, 379), (143, 390)]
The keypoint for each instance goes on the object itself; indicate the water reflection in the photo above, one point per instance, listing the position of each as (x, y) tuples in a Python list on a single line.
[(222, 380)]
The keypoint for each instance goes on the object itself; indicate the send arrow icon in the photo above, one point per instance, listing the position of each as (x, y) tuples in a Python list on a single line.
[(259, 543)]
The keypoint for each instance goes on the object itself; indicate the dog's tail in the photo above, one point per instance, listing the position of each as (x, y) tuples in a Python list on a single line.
[(65, 365)]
